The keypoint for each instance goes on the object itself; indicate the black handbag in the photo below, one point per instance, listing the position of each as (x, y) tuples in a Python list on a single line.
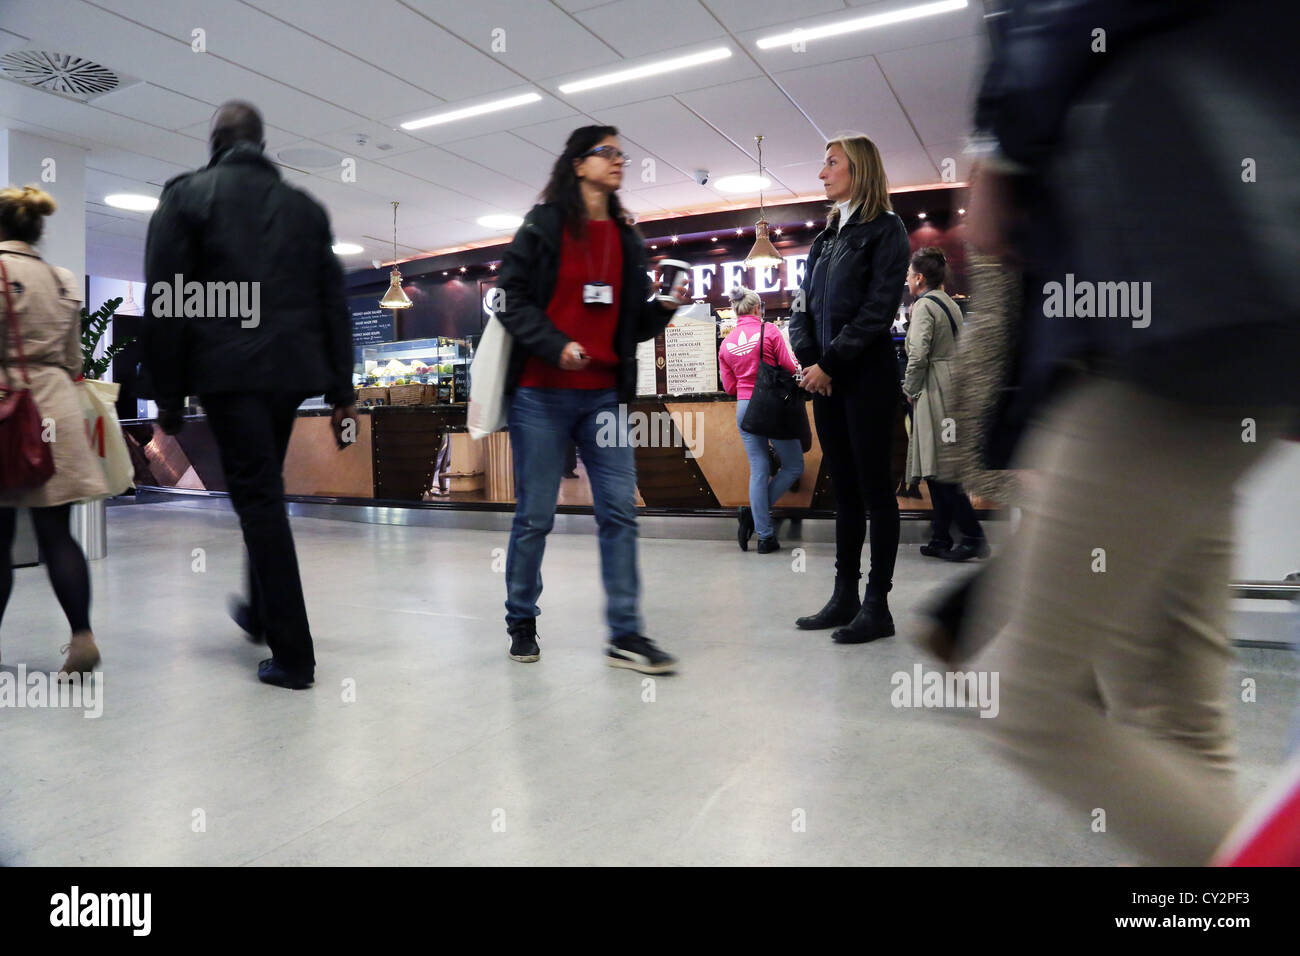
[(776, 408)]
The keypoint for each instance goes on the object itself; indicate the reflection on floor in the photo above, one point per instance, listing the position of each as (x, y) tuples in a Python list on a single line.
[(423, 743)]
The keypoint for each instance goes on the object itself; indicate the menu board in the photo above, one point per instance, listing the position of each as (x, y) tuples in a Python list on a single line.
[(691, 352), (370, 324), (645, 368)]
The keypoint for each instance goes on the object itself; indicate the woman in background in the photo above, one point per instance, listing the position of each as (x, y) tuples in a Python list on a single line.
[(931, 347), (42, 303), (738, 361)]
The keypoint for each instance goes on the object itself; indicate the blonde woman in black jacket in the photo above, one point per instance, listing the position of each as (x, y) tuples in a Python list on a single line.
[(840, 332)]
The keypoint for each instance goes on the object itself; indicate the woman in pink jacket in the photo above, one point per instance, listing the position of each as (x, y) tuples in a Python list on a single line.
[(738, 362)]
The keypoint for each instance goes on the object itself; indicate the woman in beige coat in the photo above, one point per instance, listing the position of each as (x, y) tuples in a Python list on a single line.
[(928, 385), (46, 305)]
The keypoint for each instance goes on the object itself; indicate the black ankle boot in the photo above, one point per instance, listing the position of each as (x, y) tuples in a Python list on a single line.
[(871, 623), (839, 609)]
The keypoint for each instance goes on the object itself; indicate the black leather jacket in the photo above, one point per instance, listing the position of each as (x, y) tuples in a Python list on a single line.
[(237, 221), (850, 295), (528, 271)]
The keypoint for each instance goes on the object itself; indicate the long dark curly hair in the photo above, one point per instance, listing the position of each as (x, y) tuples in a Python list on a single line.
[(563, 189)]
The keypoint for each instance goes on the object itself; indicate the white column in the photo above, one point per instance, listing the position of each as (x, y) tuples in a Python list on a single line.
[(59, 169)]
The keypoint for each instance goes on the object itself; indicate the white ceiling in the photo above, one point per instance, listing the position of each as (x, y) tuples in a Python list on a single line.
[(324, 71)]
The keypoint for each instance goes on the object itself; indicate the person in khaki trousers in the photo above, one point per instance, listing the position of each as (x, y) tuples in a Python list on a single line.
[(46, 309)]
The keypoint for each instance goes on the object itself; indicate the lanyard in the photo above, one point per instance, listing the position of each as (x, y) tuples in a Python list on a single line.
[(604, 266)]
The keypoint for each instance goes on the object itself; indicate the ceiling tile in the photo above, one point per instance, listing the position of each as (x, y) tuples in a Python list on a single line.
[(937, 84), (822, 92), (522, 37), (636, 28), (749, 107)]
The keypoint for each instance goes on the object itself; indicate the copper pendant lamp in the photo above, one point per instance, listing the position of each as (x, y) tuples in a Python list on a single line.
[(763, 253), (395, 297)]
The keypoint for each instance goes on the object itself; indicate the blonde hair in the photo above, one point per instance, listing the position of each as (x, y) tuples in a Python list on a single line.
[(23, 212), (868, 184), (745, 301)]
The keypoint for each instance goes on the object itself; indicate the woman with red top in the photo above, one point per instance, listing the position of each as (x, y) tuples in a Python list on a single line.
[(576, 300), (738, 361)]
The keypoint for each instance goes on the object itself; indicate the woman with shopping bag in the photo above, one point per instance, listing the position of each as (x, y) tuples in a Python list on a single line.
[(41, 334)]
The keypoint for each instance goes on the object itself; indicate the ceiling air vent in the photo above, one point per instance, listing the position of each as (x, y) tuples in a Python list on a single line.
[(62, 73)]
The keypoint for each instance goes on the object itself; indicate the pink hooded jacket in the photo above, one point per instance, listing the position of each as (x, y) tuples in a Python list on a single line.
[(738, 355)]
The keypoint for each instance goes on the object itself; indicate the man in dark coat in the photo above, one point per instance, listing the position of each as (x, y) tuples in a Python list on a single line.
[(245, 309)]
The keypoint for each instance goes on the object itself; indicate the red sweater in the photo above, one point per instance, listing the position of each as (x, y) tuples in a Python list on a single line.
[(596, 258)]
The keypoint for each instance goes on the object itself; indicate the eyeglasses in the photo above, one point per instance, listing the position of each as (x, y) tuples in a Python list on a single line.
[(609, 153)]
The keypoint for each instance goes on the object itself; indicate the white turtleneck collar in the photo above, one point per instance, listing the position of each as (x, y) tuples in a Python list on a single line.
[(846, 213)]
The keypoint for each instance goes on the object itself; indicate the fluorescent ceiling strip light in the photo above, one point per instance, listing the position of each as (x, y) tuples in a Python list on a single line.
[(453, 115), (650, 69), (861, 23)]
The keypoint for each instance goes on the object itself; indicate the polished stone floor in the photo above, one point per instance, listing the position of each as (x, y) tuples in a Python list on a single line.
[(422, 743)]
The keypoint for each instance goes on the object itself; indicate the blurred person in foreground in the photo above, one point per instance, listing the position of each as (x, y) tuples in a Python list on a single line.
[(1144, 194), (235, 221)]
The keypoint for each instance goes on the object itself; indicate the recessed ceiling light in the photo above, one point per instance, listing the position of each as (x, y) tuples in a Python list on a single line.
[(744, 183), (132, 201), (650, 69), (961, 212), (654, 247), (347, 248), (500, 220), (713, 238), (453, 115), (494, 267), (740, 231), (920, 215), (804, 34), (778, 231), (462, 268), (808, 224)]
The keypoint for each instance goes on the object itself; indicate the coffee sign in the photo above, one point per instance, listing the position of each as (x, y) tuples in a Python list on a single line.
[(718, 278)]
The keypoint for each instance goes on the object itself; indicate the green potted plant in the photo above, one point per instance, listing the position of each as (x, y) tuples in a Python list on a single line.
[(93, 328)]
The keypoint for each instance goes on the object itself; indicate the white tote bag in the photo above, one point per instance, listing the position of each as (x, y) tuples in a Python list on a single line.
[(487, 381), (98, 405)]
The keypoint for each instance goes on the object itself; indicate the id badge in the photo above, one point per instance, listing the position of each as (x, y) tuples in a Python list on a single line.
[(597, 293)]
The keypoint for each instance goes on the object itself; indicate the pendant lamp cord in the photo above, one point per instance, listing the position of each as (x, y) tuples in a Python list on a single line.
[(761, 210), (394, 234)]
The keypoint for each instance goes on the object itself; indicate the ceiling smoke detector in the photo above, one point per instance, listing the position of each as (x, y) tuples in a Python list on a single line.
[(62, 73)]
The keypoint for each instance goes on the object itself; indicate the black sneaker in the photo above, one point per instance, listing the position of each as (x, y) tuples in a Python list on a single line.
[(523, 642), (639, 654), (967, 550), (768, 545)]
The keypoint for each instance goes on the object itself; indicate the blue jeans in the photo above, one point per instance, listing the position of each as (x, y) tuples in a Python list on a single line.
[(542, 422), (764, 487)]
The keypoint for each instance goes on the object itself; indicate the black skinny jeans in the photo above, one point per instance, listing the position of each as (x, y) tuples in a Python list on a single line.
[(855, 425), (65, 563)]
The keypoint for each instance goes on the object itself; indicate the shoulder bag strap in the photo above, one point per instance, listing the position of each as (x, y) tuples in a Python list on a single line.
[(940, 304), (12, 317)]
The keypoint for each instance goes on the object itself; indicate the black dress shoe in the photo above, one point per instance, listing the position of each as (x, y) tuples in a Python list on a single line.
[(839, 610), (271, 671), (871, 623), (936, 549), (768, 545), (746, 529), (967, 550)]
